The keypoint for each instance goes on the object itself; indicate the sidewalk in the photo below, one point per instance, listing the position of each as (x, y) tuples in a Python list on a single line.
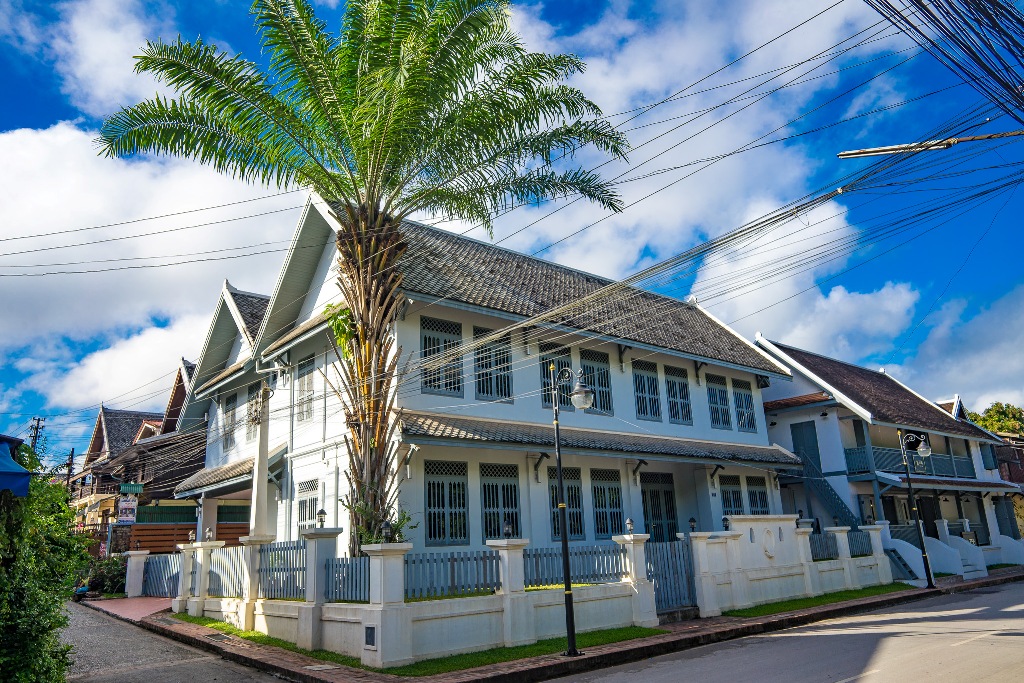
[(680, 636)]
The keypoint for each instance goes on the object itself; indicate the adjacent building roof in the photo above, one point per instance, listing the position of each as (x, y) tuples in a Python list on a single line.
[(887, 400), (252, 307), (205, 478), (115, 430), (797, 401), (955, 484), (417, 425), (445, 265)]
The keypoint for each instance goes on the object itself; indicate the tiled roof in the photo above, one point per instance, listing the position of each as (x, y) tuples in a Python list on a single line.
[(123, 425), (312, 323), (444, 265), (216, 475), (796, 401), (886, 399), (953, 483), (252, 307), (220, 376), (190, 369), (434, 425), (947, 406)]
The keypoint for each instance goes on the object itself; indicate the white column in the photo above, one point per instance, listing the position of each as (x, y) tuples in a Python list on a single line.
[(386, 622), (180, 603), (196, 602), (645, 612), (250, 580), (321, 544), (517, 613), (843, 546), (883, 566), (803, 539), (207, 518), (136, 572), (705, 581), (942, 527), (258, 527)]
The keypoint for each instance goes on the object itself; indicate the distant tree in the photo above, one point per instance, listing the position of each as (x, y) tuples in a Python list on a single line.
[(1000, 417), (40, 558)]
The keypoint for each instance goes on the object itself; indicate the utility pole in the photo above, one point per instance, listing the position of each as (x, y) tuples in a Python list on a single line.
[(37, 426), (71, 467)]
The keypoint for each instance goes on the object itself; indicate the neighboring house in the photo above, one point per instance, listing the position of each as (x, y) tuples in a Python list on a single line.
[(677, 431), (93, 489), (842, 420)]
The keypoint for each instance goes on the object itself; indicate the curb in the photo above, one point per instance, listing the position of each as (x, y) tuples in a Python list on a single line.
[(552, 666)]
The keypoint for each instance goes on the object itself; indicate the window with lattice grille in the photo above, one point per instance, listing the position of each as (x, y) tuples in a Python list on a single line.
[(757, 496), (307, 501), (677, 390), (572, 480), (597, 374), (560, 356), (658, 494), (230, 420), (645, 390), (732, 494), (492, 366), (304, 390), (499, 493), (252, 412), (607, 489), (437, 338), (446, 516), (718, 401), (744, 398)]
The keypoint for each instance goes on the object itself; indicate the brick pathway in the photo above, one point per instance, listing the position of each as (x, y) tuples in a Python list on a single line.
[(680, 636), (131, 609)]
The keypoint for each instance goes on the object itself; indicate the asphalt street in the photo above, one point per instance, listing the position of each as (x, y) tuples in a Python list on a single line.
[(106, 649), (974, 636)]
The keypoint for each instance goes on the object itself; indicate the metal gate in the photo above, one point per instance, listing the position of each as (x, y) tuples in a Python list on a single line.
[(670, 568)]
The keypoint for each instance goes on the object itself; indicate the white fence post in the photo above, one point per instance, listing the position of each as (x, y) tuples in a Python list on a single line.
[(878, 552), (196, 602), (705, 581), (803, 539), (386, 623), (843, 548), (251, 579), (136, 572), (180, 603), (321, 544), (645, 613), (517, 613)]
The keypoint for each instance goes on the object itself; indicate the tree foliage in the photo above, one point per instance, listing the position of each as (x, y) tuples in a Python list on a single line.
[(431, 106), (1000, 417), (40, 558)]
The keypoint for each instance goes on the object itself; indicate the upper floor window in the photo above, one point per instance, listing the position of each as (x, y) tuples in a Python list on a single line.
[(559, 355), (307, 500), (304, 390), (732, 494), (607, 489), (645, 390), (677, 389), (441, 337), (718, 401), (492, 366), (597, 374), (572, 479), (988, 456), (252, 412), (230, 420), (757, 495), (499, 493), (446, 512), (744, 398)]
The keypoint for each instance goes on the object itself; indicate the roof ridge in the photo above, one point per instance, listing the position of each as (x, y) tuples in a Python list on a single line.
[(830, 358)]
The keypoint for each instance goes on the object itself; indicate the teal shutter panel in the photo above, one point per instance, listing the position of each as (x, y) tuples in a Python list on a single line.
[(988, 456)]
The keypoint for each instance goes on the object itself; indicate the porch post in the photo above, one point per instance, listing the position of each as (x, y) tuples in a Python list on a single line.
[(207, 518), (942, 527), (180, 603), (196, 602), (645, 613), (386, 623), (517, 614), (260, 475), (321, 544), (136, 572), (875, 489)]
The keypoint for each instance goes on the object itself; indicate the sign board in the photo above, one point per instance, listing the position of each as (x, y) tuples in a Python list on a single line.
[(126, 509), (970, 536)]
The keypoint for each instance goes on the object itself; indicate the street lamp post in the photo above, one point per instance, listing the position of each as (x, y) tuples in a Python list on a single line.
[(582, 397), (923, 451)]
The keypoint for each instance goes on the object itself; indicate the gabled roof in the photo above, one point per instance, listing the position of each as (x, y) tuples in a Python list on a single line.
[(442, 266), (115, 430), (875, 396), (954, 407), (250, 307)]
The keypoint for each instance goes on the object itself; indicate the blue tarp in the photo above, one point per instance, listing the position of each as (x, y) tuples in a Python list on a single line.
[(12, 475)]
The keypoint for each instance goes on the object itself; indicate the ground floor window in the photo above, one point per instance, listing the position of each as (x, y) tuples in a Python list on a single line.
[(572, 479), (499, 493), (757, 495), (658, 492), (307, 495), (732, 494), (446, 516), (607, 489)]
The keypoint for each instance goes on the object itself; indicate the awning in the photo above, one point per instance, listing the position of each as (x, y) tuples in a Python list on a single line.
[(229, 478), (958, 484), (455, 430), (12, 475)]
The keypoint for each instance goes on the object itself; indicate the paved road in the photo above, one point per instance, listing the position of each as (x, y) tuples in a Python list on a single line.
[(975, 636), (107, 649)]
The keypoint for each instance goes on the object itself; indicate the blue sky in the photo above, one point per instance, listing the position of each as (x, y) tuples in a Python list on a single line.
[(74, 340)]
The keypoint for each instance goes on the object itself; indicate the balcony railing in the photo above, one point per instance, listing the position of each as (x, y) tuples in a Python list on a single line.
[(891, 460), (107, 489)]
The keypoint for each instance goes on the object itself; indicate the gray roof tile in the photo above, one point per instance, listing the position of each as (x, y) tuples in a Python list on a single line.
[(252, 307), (439, 426), (122, 427), (216, 475)]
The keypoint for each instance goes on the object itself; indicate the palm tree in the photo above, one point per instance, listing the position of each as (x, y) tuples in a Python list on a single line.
[(430, 106)]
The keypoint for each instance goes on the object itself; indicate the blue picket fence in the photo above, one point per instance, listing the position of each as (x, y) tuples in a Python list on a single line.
[(860, 543), (226, 572), (193, 580), (348, 579), (283, 570), (433, 575), (587, 564), (160, 575), (670, 569), (824, 547)]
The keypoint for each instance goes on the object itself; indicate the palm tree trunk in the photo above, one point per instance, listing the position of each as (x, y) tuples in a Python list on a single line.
[(369, 248)]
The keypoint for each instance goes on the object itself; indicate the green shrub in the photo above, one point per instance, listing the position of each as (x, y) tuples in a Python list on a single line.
[(108, 574)]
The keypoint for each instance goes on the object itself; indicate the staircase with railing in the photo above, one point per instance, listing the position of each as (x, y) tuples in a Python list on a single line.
[(833, 502)]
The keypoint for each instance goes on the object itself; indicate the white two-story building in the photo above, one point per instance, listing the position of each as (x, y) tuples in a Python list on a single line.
[(676, 437)]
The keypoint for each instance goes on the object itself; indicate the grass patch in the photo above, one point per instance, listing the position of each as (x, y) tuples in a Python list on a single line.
[(557, 586), (442, 664), (1004, 565), (815, 601), (429, 598), (113, 595), (939, 575)]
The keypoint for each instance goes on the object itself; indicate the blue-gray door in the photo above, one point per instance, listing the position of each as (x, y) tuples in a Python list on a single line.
[(805, 442)]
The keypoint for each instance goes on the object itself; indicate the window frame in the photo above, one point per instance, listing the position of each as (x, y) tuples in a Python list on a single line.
[(304, 389), (562, 358), (746, 416), (498, 371), (677, 380), (230, 421), (758, 489), (252, 411), (606, 489), (307, 503), (599, 378), (448, 511), (645, 377), (572, 479), (501, 505), (718, 400), (733, 488), (453, 372)]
